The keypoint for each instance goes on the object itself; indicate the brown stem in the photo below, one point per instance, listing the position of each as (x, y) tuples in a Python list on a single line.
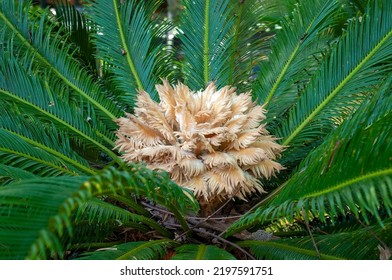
[(310, 233), (208, 217)]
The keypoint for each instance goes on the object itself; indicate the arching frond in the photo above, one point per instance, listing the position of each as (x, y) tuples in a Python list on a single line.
[(355, 67), (10, 174), (44, 137), (98, 212), (16, 151), (142, 250), (249, 43), (124, 43), (52, 57), (42, 208), (78, 27), (362, 244), (34, 203), (17, 85), (294, 55), (201, 252), (204, 34), (142, 181)]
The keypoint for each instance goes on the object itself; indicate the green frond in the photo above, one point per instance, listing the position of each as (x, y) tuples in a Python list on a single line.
[(140, 181), (124, 43), (167, 62), (17, 85), (26, 215), (358, 64), (17, 152), (42, 136), (361, 244), (131, 203), (359, 5), (291, 249), (249, 43), (321, 69), (36, 213), (350, 172), (142, 250), (201, 252), (77, 26), (156, 186), (52, 56), (280, 8), (205, 30), (294, 55), (98, 212), (10, 174)]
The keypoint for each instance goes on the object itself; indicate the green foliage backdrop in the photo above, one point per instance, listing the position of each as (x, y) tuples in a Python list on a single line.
[(321, 68)]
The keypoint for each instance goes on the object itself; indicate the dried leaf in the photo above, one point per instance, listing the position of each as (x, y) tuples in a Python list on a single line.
[(385, 252)]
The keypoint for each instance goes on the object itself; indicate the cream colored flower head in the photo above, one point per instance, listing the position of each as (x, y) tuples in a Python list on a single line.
[(210, 141)]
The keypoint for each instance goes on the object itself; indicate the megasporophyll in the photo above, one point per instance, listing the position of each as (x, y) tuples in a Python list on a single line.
[(211, 141)]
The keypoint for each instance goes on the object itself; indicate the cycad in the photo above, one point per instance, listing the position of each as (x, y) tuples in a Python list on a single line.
[(325, 92)]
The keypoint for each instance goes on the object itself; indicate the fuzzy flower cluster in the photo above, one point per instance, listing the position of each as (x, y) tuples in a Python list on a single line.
[(210, 141)]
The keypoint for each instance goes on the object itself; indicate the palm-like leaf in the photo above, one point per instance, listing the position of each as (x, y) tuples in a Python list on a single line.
[(17, 84), (201, 252), (293, 55), (149, 250), (35, 37), (205, 26), (42, 208), (249, 40), (9, 174), (343, 80), (124, 43), (77, 25), (98, 213), (156, 186), (358, 245), (27, 230), (30, 132), (18, 152)]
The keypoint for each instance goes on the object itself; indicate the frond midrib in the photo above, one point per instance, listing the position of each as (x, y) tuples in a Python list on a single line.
[(302, 251), (201, 251), (125, 46), (151, 223), (53, 152), (161, 197), (236, 39), (60, 121), (28, 156), (54, 70), (369, 176), (206, 42), (141, 248), (324, 103), (290, 60)]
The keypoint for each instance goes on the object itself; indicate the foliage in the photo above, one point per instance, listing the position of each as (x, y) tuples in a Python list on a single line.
[(201, 252), (320, 68), (134, 250)]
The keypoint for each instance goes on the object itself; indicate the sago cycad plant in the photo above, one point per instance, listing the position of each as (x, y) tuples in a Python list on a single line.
[(126, 133)]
